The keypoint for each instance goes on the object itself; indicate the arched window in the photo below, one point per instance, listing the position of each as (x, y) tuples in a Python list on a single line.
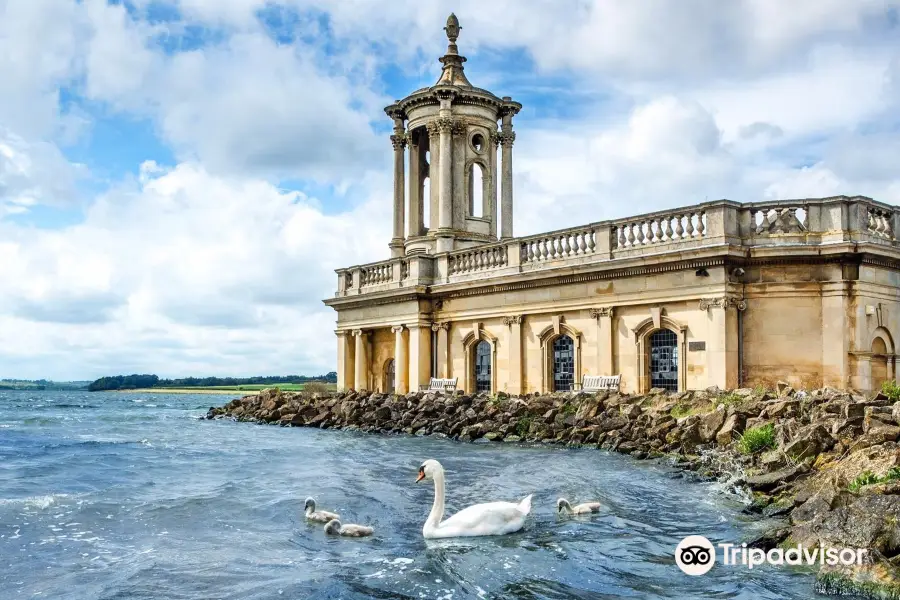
[(563, 364), (482, 357), (476, 190), (389, 371), (664, 360)]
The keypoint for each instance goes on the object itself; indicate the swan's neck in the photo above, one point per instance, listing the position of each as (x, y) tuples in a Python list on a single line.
[(437, 509)]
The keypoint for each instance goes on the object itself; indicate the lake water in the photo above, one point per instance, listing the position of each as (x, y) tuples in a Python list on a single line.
[(114, 496)]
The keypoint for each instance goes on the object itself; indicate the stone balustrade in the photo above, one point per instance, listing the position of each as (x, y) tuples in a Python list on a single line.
[(660, 228), (810, 222), (778, 218), (557, 245), (480, 258), (376, 274), (880, 222)]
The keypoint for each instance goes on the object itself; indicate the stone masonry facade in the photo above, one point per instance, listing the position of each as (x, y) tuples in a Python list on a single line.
[(720, 293)]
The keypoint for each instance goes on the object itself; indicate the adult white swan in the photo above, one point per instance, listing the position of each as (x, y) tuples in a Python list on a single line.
[(491, 518)]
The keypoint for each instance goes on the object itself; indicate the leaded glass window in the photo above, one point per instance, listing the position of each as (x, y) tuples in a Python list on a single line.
[(664, 360), (483, 367), (563, 364)]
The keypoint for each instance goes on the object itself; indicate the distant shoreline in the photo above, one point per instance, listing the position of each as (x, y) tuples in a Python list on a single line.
[(188, 391)]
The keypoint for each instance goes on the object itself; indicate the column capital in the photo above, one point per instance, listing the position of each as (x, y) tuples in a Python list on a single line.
[(341, 332), (445, 124), (433, 130), (513, 320), (360, 332), (399, 141), (397, 328), (438, 326), (723, 302), (605, 311), (506, 138)]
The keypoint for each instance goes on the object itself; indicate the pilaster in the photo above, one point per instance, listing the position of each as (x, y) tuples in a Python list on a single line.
[(723, 341), (361, 362), (419, 355), (605, 338), (514, 323), (443, 349), (345, 362), (401, 360)]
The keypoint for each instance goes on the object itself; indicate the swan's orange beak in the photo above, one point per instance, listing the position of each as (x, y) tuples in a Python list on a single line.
[(421, 475)]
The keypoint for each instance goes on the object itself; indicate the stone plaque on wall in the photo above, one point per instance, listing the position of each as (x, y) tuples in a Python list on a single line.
[(696, 346)]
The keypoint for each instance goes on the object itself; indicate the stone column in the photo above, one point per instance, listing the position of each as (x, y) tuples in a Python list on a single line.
[(401, 360), (345, 365), (434, 176), (416, 226), (492, 189), (445, 168), (419, 356), (722, 345), (361, 371), (507, 137), (515, 354), (443, 349), (399, 142), (605, 335)]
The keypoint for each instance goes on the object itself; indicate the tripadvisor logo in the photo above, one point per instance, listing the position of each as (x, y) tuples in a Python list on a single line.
[(696, 555)]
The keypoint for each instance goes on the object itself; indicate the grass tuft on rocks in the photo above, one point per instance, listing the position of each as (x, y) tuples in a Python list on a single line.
[(868, 478), (757, 439), (891, 389)]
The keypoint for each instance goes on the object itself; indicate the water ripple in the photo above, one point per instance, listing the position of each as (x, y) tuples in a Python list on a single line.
[(108, 497)]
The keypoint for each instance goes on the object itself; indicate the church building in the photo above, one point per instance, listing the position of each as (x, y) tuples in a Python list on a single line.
[(719, 293)]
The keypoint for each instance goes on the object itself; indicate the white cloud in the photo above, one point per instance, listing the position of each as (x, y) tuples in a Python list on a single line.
[(230, 266)]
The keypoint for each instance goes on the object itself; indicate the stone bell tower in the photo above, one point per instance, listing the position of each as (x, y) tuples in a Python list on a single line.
[(451, 130)]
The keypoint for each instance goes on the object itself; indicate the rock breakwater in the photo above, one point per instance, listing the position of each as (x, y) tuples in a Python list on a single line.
[(824, 463)]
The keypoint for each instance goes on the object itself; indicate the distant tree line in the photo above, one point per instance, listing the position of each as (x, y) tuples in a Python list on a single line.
[(131, 382), (41, 384)]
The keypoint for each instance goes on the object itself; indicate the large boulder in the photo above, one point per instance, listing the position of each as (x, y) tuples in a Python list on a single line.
[(710, 423), (878, 433), (731, 428), (869, 521), (769, 481), (809, 441)]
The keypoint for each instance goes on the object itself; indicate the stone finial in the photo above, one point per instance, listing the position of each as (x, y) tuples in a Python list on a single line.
[(452, 72), (452, 28)]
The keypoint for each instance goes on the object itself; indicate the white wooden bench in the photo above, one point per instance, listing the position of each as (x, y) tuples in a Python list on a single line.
[(439, 385), (596, 383)]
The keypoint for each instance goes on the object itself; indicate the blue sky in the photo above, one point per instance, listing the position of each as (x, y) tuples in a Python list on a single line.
[(179, 178)]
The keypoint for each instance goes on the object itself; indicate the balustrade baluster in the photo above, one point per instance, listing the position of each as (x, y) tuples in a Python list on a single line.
[(701, 228), (566, 247), (689, 226), (631, 237), (679, 230)]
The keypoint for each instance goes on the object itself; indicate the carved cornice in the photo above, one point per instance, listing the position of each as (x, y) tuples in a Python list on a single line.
[(399, 141), (724, 302), (606, 311), (512, 320), (438, 326)]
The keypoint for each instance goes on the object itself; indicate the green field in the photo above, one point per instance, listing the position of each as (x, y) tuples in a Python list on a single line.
[(285, 387)]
